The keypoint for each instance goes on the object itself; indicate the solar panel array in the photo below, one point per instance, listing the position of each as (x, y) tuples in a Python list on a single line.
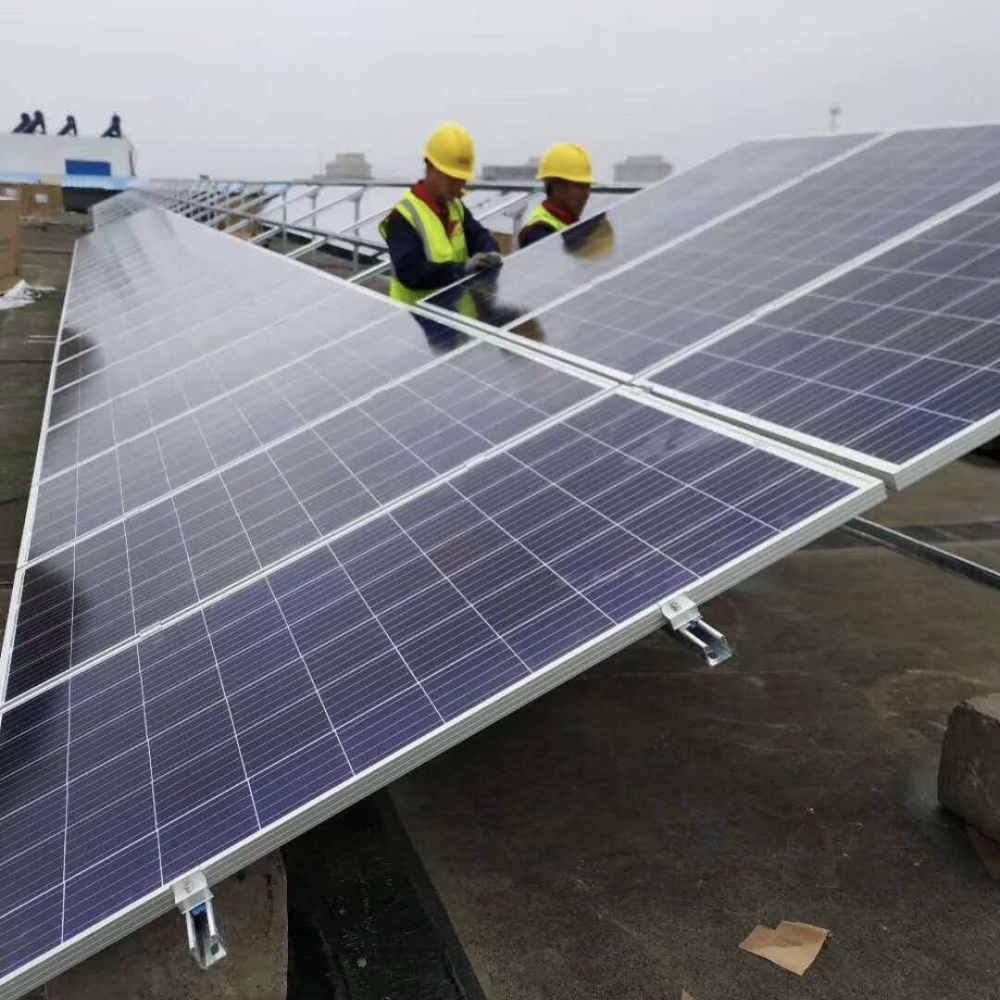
[(543, 272), (286, 540), (894, 357), (240, 481), (384, 639), (203, 537), (646, 312)]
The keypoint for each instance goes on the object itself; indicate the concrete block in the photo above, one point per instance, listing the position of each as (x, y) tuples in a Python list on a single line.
[(969, 775), (154, 963)]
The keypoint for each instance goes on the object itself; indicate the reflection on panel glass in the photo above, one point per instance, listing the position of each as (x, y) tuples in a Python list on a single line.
[(175, 429), (553, 267), (644, 314)]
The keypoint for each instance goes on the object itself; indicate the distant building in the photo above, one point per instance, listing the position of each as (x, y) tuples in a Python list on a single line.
[(642, 169), (87, 168), (348, 167), (515, 173)]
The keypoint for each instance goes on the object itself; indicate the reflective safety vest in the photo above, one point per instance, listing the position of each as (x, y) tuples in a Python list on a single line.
[(542, 214), (438, 246)]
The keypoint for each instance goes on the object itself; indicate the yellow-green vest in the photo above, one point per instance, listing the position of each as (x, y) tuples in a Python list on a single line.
[(438, 246), (542, 214)]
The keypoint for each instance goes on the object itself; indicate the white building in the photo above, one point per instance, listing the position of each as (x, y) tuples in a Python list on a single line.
[(348, 166), (642, 169), (68, 160), (515, 173)]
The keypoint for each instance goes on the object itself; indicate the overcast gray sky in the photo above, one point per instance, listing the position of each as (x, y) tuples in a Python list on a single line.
[(233, 88)]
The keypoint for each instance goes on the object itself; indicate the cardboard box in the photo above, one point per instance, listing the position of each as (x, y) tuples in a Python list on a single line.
[(505, 241), (41, 199), (10, 238)]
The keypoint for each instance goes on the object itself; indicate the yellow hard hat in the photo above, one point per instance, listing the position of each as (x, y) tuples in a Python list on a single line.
[(450, 149), (568, 162)]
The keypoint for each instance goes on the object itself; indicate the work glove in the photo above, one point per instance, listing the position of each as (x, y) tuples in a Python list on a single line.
[(482, 261)]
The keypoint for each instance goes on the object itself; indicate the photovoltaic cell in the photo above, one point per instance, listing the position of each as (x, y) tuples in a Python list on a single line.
[(543, 272), (173, 750), (644, 314), (891, 359)]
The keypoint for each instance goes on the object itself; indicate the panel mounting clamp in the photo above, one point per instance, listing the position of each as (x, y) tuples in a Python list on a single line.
[(686, 624), (204, 933)]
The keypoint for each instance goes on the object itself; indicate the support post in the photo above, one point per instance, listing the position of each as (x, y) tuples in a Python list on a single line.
[(357, 219)]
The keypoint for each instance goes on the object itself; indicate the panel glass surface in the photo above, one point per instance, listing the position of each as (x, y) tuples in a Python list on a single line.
[(189, 440), (892, 358), (646, 313), (171, 751), (545, 271), (118, 207), (182, 426), (160, 293), (206, 537)]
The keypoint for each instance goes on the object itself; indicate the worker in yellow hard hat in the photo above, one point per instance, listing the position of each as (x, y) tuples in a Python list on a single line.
[(432, 237), (565, 168)]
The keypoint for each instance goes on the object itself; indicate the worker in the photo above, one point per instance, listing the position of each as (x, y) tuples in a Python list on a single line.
[(37, 125), (432, 237), (70, 127), (114, 130), (565, 168), (24, 124)]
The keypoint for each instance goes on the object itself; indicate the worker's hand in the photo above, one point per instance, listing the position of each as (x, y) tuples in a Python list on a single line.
[(482, 261)]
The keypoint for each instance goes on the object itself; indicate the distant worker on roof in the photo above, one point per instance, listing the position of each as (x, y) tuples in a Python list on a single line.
[(24, 124), (37, 125), (114, 130), (565, 168), (70, 127), (433, 238)]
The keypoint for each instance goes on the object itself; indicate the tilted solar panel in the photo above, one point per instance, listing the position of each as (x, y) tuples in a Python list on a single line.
[(194, 391), (551, 268), (645, 313), (225, 522), (152, 297), (259, 712), (894, 366)]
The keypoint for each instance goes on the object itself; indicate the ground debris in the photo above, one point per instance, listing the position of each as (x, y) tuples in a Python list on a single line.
[(791, 945)]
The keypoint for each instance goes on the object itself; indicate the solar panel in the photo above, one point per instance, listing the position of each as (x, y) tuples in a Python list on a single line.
[(261, 711), (128, 434), (543, 272), (894, 366), (132, 317), (118, 207), (210, 526), (642, 314)]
